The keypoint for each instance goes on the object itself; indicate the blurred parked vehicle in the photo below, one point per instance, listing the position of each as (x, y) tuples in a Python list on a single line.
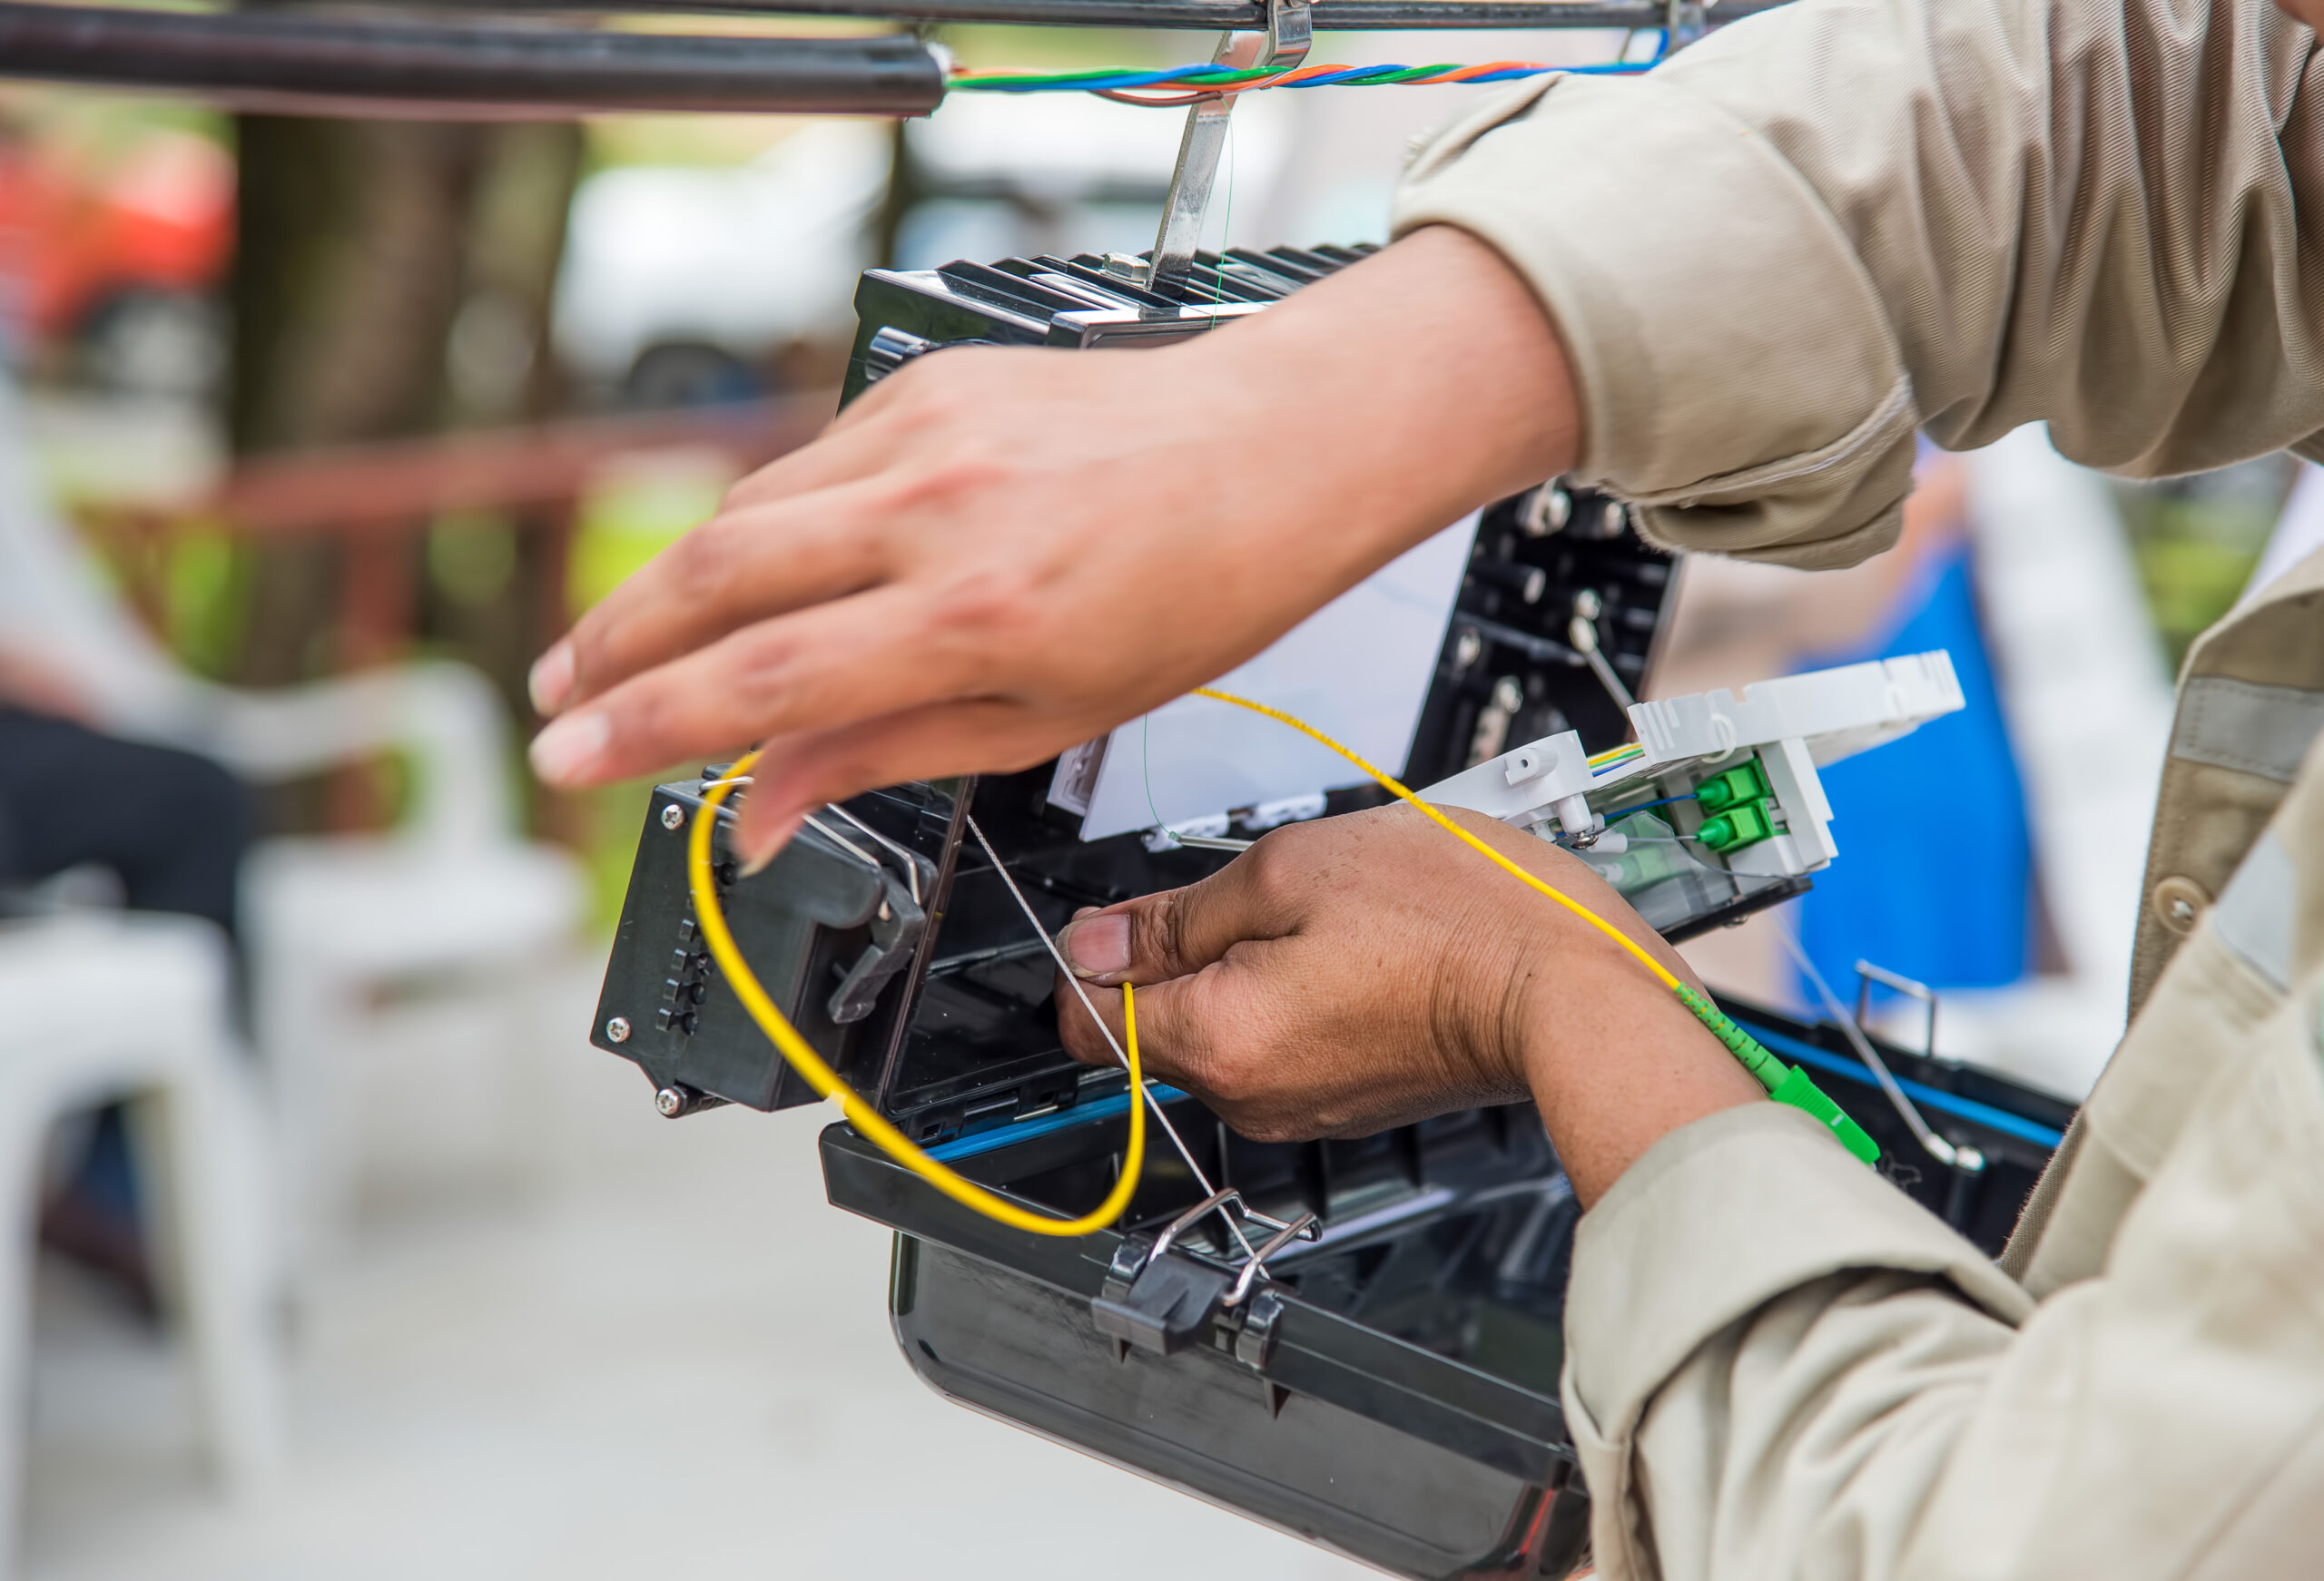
[(681, 283), (110, 276)]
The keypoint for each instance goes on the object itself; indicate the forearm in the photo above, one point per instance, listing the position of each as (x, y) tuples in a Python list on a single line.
[(1828, 225), (1615, 1070), (1397, 394)]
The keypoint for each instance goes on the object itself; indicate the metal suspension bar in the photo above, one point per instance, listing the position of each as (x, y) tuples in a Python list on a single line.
[(1281, 47), (1204, 15), (303, 63)]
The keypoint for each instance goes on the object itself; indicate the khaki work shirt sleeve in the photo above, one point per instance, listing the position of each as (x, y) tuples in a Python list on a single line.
[(1779, 1365), (1822, 227)]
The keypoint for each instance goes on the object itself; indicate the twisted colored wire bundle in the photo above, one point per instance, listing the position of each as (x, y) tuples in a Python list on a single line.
[(1607, 762), (1198, 82)]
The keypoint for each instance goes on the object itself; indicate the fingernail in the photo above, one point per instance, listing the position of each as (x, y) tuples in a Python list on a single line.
[(755, 865), (551, 682), (1096, 946), (566, 750)]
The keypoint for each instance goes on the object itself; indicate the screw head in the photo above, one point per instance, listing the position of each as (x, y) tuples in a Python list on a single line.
[(1546, 510), (670, 1103), (617, 1029), (674, 816)]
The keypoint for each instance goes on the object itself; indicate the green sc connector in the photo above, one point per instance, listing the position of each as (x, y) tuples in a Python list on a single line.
[(1744, 782), (1785, 1083), (1746, 823), (1811, 1100)]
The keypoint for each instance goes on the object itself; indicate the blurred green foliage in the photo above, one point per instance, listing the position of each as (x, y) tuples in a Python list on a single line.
[(635, 513), (472, 557), (205, 594), (630, 518), (2196, 540)]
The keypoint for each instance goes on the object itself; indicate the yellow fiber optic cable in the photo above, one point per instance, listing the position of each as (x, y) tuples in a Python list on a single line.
[(1787, 1084), (862, 1115), (1395, 787)]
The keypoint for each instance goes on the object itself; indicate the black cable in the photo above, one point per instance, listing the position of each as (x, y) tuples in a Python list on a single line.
[(427, 65)]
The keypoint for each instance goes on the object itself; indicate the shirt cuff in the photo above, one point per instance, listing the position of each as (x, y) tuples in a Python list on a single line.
[(1738, 380), (1719, 1218)]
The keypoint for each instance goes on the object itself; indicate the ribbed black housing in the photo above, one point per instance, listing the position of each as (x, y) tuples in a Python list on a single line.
[(300, 62)]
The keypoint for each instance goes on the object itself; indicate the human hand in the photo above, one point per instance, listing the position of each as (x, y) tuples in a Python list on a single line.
[(1368, 970), (996, 554)]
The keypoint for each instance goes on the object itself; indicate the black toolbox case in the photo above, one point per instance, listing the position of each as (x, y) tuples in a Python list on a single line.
[(1390, 1392)]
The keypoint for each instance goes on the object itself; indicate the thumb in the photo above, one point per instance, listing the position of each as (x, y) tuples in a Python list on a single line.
[(1175, 1027), (1176, 932)]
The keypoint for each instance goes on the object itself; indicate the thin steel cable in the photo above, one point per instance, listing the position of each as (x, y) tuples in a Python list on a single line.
[(1936, 1146), (1153, 1103)]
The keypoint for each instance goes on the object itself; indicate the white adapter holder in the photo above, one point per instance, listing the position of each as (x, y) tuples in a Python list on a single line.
[(1795, 724)]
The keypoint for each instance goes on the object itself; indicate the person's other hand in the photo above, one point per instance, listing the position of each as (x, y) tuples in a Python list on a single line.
[(996, 554), (1369, 970)]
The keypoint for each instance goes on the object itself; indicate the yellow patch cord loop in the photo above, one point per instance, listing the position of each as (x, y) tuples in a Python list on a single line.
[(866, 1119)]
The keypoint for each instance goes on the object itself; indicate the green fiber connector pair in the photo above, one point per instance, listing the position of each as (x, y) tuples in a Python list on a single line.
[(1738, 801), (1785, 1083)]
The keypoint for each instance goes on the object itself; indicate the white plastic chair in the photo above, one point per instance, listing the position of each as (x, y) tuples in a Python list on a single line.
[(329, 922), (100, 1008)]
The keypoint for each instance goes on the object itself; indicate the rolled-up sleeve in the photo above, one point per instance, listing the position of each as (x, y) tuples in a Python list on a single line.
[(1775, 257), (1778, 1365)]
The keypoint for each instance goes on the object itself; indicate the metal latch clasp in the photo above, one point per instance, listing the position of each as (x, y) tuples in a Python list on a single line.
[(896, 926), (1163, 1303)]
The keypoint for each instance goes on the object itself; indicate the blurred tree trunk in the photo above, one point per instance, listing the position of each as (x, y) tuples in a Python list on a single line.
[(392, 278)]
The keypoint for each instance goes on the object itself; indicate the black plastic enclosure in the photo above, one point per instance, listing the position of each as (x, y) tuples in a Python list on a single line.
[(1401, 1404), (1390, 1392)]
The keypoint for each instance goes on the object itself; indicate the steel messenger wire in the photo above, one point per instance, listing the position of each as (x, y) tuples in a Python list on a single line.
[(1080, 992)]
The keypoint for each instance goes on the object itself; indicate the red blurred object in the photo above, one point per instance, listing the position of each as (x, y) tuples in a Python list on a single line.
[(161, 223)]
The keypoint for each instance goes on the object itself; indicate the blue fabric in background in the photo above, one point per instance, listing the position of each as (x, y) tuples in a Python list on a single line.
[(1934, 876)]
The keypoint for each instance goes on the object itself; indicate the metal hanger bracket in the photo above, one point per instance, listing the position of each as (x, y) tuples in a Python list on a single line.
[(1289, 32)]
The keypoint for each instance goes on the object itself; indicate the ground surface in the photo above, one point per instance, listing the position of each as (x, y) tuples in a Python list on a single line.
[(575, 1341)]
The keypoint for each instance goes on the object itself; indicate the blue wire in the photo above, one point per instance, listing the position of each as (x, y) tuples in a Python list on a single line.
[(1643, 806)]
